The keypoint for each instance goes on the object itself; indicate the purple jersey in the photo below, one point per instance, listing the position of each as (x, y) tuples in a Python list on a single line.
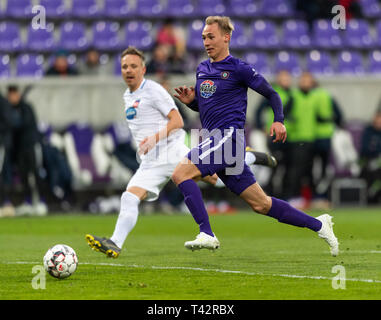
[(221, 92)]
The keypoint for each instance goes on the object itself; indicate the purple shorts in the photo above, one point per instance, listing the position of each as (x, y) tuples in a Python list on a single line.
[(223, 153)]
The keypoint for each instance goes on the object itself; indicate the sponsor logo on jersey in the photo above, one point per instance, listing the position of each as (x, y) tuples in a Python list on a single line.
[(225, 74), (207, 88), (131, 111)]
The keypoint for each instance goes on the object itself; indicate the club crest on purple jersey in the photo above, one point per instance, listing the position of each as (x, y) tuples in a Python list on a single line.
[(225, 74), (207, 88)]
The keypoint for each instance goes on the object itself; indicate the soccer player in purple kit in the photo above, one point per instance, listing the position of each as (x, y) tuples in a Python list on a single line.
[(220, 96)]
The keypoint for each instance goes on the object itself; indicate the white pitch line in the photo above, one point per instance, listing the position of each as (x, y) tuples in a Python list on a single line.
[(295, 276)]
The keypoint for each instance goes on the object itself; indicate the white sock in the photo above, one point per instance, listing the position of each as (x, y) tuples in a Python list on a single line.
[(219, 183), (250, 158), (127, 218)]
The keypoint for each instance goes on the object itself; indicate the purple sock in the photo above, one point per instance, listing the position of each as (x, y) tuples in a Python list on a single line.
[(283, 212), (193, 200)]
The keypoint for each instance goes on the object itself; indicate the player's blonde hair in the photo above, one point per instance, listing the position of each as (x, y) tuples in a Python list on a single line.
[(224, 23), (134, 51)]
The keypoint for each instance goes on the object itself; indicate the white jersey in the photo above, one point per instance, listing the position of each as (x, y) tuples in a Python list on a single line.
[(146, 112)]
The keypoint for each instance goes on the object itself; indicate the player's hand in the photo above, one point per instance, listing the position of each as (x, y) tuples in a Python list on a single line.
[(184, 94), (279, 130), (147, 144)]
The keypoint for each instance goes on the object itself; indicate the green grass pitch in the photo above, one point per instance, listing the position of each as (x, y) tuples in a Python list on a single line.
[(259, 258)]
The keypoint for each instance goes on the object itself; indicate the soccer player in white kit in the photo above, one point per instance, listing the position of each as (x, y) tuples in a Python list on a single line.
[(156, 127)]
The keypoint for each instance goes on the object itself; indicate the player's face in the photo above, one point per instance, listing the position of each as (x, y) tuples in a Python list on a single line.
[(132, 70), (216, 42)]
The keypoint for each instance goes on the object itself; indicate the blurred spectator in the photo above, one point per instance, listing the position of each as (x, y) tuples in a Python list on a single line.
[(5, 127), (264, 117), (370, 156), (328, 116), (92, 65), (25, 152), (160, 63), (317, 9), (300, 113), (61, 66), (352, 8), (174, 37)]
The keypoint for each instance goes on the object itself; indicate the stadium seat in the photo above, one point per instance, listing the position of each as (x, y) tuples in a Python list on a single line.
[(117, 66), (244, 8), (106, 36), (378, 31), (239, 39), (295, 34), (319, 62), (349, 63), (118, 9), (374, 58), (10, 40), (287, 61), (194, 39), (54, 8), (180, 8), (259, 61), (41, 39), (138, 34), (206, 8), (73, 36), (324, 36), (149, 8), (357, 34), (277, 8), (19, 9), (85, 9), (370, 8), (264, 35), (30, 65), (5, 66)]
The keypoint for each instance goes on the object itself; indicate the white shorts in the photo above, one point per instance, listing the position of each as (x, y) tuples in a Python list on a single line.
[(153, 177)]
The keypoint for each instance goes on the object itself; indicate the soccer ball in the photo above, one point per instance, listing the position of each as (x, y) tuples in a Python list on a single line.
[(60, 261)]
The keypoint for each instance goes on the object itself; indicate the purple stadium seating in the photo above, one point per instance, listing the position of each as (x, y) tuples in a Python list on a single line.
[(180, 8), (295, 34), (5, 68), (105, 36), (206, 8), (118, 9), (138, 34), (10, 40), (149, 8), (259, 61), (325, 36), (41, 40), (374, 59), (20, 9), (277, 8), (85, 9), (370, 8), (194, 40), (378, 31), (357, 34), (30, 65), (73, 36), (287, 61), (349, 63), (319, 62), (264, 35), (239, 38), (54, 8), (244, 8)]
